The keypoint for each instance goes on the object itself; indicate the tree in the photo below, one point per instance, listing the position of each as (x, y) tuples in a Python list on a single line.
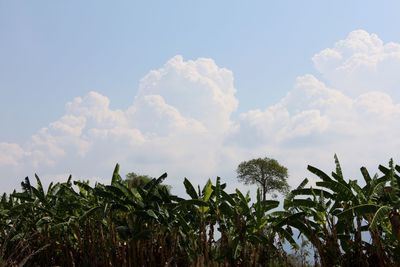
[(267, 173), (135, 180)]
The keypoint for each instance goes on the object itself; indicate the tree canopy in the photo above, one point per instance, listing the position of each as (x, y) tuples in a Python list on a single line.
[(266, 173), (135, 180)]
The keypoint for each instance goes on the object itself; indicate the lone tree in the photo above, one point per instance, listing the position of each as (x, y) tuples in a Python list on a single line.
[(267, 173)]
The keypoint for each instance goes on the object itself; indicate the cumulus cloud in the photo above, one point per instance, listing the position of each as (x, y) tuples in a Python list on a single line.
[(313, 121), (176, 123), (361, 63), (308, 110), (197, 89), (180, 121)]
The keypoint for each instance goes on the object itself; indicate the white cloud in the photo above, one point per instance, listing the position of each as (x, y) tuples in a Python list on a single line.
[(313, 122), (197, 89), (360, 63), (165, 119), (176, 123), (310, 109), (10, 154), (180, 122)]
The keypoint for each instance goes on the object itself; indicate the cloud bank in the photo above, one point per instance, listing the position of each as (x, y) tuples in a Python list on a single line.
[(181, 122), (361, 63)]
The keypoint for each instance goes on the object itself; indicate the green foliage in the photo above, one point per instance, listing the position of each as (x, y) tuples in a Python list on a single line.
[(138, 222), (333, 215)]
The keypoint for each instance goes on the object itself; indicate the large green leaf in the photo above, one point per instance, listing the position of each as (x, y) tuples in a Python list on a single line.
[(150, 186), (207, 190), (284, 220), (270, 204), (125, 190), (302, 227), (359, 191), (378, 190), (319, 173), (303, 184), (243, 202), (116, 192), (359, 210), (338, 175), (227, 197), (381, 214), (190, 189), (84, 186), (288, 235), (89, 213), (312, 192), (40, 192), (309, 203), (365, 173), (116, 177), (343, 192), (152, 214)]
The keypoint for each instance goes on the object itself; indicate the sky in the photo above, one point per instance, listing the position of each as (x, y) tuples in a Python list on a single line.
[(194, 88)]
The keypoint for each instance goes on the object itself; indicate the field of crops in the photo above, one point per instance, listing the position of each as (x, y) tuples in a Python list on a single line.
[(347, 223)]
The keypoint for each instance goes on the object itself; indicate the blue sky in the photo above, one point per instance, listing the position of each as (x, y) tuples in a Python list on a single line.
[(52, 52)]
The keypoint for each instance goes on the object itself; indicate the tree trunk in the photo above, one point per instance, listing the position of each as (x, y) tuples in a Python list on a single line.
[(395, 222)]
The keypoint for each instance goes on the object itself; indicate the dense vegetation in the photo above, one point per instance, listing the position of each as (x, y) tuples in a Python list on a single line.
[(123, 224)]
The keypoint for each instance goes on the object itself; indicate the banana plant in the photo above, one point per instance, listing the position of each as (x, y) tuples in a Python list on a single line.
[(313, 211)]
